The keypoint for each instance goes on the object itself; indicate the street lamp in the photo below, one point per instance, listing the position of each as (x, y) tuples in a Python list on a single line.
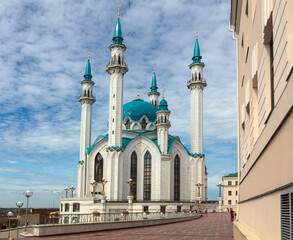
[(66, 190), (19, 204), (220, 186), (27, 194), (130, 183), (72, 190), (103, 181), (9, 214)]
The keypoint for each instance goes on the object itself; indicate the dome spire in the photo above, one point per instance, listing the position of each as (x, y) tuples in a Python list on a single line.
[(88, 73), (139, 87), (118, 39), (154, 86), (196, 54)]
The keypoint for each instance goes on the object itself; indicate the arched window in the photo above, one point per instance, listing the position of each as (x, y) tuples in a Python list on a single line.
[(165, 119), (177, 178), (143, 124), (161, 119), (76, 207), (147, 176), (98, 168), (199, 77), (67, 207), (88, 93), (114, 59), (84, 93), (133, 173), (119, 60), (127, 124), (155, 103)]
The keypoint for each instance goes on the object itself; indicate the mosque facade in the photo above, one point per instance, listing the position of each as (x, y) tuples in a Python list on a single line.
[(137, 161)]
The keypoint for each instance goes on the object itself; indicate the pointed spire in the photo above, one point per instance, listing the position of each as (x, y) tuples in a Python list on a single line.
[(88, 73), (118, 39), (139, 87), (196, 54), (154, 81)]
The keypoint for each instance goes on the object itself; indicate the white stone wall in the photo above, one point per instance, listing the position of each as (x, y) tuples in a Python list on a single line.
[(154, 98)]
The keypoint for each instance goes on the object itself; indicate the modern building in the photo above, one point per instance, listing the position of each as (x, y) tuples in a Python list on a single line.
[(230, 191), (137, 161), (265, 99)]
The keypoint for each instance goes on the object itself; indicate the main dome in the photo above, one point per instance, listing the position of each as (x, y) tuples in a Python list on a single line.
[(138, 108)]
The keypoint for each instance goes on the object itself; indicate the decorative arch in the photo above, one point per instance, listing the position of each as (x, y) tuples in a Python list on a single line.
[(98, 167), (176, 178), (133, 173), (143, 124), (147, 171), (127, 124)]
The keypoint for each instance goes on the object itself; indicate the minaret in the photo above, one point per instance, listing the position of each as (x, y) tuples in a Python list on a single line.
[(154, 94), (163, 125), (117, 68), (86, 100), (196, 86)]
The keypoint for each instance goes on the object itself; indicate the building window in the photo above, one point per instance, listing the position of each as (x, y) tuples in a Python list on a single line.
[(145, 208), (133, 173), (229, 193), (67, 207), (229, 183), (143, 124), (163, 208), (236, 192), (127, 124), (286, 215), (247, 53), (177, 178), (147, 176), (236, 201), (229, 202), (98, 168), (76, 207), (272, 72), (236, 183), (66, 220), (178, 208)]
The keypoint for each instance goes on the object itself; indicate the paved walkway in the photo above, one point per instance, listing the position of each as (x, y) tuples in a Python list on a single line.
[(214, 226)]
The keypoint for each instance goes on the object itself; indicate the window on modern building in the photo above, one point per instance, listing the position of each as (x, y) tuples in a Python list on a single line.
[(163, 208), (229, 193), (286, 215), (229, 202), (272, 71), (247, 53), (229, 183), (67, 207), (236, 201), (236, 183), (145, 208), (236, 193), (76, 207), (246, 8), (133, 173), (177, 178), (143, 124), (147, 176), (98, 167)]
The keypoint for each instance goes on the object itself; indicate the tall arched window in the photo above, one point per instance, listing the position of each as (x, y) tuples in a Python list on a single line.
[(177, 178), (147, 176), (143, 124), (133, 173), (98, 167), (127, 124)]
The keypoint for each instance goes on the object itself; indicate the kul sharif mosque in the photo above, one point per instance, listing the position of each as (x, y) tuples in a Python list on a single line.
[(137, 165)]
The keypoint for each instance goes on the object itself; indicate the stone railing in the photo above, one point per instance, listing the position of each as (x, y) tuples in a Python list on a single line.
[(116, 217)]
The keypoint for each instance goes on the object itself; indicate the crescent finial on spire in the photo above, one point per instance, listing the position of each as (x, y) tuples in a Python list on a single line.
[(139, 87), (154, 67), (88, 54), (118, 16), (197, 32)]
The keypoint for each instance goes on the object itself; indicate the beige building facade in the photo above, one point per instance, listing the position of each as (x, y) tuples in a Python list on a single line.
[(265, 97), (230, 191)]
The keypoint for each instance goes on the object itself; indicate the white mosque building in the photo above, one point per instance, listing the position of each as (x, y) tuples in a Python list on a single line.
[(138, 147)]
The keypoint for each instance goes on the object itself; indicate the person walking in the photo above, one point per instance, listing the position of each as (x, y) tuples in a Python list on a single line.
[(232, 214)]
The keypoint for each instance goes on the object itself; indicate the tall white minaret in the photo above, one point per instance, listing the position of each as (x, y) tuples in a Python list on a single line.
[(86, 99), (163, 125), (154, 94), (196, 86), (117, 68)]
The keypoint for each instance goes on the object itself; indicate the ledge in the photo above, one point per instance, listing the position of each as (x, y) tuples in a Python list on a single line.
[(241, 231)]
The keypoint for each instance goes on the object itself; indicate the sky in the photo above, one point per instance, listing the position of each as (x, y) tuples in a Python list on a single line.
[(43, 53)]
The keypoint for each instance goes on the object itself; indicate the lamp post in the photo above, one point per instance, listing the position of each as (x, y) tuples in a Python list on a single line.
[(130, 183), (220, 186), (19, 204), (103, 181), (27, 194), (9, 214), (72, 190), (94, 184), (66, 191)]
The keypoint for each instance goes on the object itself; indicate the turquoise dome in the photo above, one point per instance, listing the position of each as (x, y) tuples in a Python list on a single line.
[(163, 105), (139, 108)]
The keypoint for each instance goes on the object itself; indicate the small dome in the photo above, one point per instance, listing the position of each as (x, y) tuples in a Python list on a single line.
[(163, 105), (138, 108)]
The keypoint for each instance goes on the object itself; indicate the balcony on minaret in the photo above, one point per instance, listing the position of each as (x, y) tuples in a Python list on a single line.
[(197, 81), (87, 95)]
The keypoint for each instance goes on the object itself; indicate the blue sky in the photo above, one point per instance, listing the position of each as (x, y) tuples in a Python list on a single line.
[(43, 54)]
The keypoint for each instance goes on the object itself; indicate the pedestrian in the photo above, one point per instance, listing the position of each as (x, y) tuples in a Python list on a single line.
[(214, 210), (206, 212), (232, 214)]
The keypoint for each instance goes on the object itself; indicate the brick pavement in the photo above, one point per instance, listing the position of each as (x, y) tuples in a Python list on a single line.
[(214, 226)]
